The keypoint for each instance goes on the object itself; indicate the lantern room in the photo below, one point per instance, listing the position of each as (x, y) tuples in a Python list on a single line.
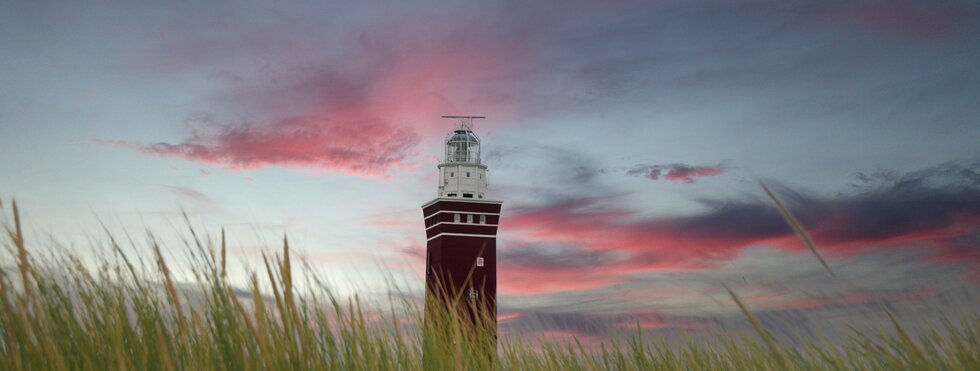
[(462, 174), (462, 145)]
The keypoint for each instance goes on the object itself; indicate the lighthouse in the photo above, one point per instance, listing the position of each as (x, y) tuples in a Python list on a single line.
[(461, 228)]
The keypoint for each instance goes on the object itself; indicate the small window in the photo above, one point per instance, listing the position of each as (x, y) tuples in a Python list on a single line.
[(480, 196), (456, 218), (451, 195), (467, 174), (483, 220), (452, 174), (467, 195), (481, 175), (479, 261), (473, 295), (469, 218)]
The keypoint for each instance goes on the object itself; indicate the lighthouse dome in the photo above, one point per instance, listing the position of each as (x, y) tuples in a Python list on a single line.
[(464, 136), (463, 146)]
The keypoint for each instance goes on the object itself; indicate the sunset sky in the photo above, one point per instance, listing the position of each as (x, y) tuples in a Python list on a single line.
[(624, 137)]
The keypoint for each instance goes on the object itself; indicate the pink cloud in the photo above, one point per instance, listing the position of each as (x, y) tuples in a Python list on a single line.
[(676, 244), (676, 172), (365, 147), (361, 112)]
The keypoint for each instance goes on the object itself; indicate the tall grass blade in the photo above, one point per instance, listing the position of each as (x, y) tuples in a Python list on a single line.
[(797, 227)]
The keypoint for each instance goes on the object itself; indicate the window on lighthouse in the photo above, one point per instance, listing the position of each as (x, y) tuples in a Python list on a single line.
[(469, 218), (479, 261), (483, 220), (456, 218)]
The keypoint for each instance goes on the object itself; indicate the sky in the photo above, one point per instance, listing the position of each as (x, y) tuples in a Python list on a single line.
[(625, 139)]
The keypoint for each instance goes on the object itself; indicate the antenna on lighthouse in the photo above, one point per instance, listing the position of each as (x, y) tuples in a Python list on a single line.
[(465, 121)]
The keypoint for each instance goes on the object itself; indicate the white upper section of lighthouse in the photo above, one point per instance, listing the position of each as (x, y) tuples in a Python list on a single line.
[(461, 174)]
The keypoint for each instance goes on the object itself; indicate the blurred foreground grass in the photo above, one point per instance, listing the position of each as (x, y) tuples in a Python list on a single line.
[(58, 313)]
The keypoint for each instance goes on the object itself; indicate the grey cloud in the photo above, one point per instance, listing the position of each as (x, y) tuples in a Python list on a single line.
[(556, 257)]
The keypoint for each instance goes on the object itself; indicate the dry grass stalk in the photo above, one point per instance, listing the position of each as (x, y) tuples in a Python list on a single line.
[(797, 227)]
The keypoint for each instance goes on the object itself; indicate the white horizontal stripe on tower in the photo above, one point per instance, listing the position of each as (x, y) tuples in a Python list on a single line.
[(461, 235), (461, 223), (460, 212), (464, 200)]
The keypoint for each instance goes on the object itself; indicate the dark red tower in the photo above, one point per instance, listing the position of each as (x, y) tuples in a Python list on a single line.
[(461, 227)]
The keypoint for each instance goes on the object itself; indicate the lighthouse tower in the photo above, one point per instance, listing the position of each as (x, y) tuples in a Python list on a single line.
[(461, 226)]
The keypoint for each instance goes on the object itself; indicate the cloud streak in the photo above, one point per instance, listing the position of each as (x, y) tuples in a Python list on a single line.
[(359, 147), (529, 270), (675, 172)]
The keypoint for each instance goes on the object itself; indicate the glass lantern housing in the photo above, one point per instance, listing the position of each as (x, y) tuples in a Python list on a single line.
[(463, 146)]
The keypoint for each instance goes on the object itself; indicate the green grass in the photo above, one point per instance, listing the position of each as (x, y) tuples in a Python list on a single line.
[(58, 313)]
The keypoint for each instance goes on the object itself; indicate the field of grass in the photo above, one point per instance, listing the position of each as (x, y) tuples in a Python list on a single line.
[(58, 313)]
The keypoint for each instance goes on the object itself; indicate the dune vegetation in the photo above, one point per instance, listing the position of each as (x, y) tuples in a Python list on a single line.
[(127, 313)]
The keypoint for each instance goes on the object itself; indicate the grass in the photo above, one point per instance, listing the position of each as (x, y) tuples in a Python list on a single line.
[(58, 313)]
